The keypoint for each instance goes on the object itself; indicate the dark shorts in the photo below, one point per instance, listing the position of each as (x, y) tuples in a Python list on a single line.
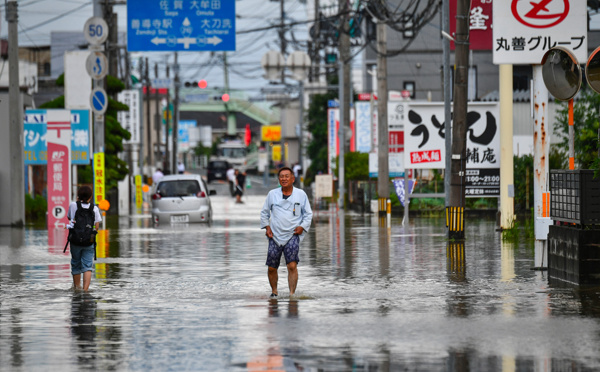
[(289, 250)]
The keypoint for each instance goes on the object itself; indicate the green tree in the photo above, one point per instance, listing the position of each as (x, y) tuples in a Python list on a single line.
[(114, 134), (585, 119), (317, 126)]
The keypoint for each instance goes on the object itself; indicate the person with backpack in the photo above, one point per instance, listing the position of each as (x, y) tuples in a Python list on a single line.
[(84, 222)]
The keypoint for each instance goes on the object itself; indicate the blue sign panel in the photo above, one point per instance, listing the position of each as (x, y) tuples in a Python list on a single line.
[(99, 101), (34, 136), (188, 26), (183, 134)]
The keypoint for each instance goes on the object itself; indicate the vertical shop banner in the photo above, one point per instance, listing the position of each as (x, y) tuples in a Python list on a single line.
[(138, 191), (333, 142), (58, 138), (99, 191), (276, 153), (363, 126), (130, 119), (480, 24)]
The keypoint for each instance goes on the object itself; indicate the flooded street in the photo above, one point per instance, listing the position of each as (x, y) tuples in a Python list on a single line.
[(195, 298)]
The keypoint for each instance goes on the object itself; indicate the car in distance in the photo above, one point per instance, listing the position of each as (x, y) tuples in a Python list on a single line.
[(181, 198), (217, 170)]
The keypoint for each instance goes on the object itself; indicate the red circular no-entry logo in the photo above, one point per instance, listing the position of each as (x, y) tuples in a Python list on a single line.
[(540, 13)]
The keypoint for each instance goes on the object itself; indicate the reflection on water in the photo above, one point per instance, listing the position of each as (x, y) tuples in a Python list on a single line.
[(370, 297), (83, 330)]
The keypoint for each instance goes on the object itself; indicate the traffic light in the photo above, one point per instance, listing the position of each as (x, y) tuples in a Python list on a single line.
[(193, 84), (225, 97)]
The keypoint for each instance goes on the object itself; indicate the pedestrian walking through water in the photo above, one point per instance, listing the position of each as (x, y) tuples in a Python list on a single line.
[(286, 215), (82, 254)]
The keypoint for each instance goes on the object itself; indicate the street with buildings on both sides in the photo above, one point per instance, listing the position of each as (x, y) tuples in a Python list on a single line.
[(371, 296)]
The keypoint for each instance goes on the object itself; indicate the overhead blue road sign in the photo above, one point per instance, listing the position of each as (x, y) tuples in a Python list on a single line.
[(98, 101), (188, 26)]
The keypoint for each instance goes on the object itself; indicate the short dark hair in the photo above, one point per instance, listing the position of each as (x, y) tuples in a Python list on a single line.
[(84, 193), (285, 168)]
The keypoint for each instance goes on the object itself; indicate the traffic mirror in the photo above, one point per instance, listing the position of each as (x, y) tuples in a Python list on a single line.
[(592, 70), (561, 73)]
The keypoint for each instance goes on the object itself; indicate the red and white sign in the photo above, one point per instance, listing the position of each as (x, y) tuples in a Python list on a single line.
[(333, 143), (366, 96), (58, 138), (480, 24), (526, 29)]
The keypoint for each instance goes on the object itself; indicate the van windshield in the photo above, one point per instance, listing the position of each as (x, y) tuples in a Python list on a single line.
[(177, 188), (232, 152)]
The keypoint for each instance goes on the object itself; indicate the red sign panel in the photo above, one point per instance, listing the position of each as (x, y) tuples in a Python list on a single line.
[(480, 24), (540, 15), (395, 141), (430, 156), (366, 97)]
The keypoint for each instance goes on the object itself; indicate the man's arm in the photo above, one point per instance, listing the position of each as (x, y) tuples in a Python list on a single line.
[(265, 214), (306, 214)]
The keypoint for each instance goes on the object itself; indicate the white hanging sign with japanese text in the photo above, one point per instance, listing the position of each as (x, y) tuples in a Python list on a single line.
[(524, 30)]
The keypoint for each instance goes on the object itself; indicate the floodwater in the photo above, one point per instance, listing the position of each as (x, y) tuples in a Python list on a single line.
[(370, 297)]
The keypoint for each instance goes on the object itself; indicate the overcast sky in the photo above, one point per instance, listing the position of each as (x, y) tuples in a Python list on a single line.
[(38, 18)]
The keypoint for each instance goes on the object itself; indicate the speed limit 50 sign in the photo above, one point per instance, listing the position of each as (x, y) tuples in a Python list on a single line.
[(526, 29), (95, 30)]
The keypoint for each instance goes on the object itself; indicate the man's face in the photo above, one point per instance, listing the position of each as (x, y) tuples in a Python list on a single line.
[(286, 178)]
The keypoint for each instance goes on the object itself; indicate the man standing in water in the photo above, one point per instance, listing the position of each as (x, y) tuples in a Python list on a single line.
[(286, 216)]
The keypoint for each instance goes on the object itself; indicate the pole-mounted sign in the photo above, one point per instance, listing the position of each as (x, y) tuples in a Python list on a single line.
[(95, 31)]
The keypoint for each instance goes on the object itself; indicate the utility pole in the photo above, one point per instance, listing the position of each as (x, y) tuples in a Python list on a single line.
[(459, 129), (383, 174), (157, 125), (167, 125), (148, 118), (99, 123), (231, 120), (112, 43), (175, 112), (447, 101), (15, 130), (344, 94), (282, 35)]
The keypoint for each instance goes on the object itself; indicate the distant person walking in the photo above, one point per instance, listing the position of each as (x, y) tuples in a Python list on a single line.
[(297, 168), (240, 182), (157, 176), (82, 256), (286, 215), (231, 179), (180, 168)]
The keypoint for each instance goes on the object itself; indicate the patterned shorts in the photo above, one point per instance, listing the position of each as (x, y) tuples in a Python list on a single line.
[(289, 250)]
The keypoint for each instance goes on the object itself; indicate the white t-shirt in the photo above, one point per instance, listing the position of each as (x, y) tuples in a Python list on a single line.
[(73, 209), (231, 174), (157, 176)]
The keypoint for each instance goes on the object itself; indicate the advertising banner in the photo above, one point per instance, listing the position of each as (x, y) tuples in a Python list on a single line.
[(525, 30), (35, 138), (58, 138), (130, 120), (425, 131), (99, 188), (333, 143)]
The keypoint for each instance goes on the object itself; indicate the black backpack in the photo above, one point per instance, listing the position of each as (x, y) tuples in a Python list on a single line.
[(83, 233)]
